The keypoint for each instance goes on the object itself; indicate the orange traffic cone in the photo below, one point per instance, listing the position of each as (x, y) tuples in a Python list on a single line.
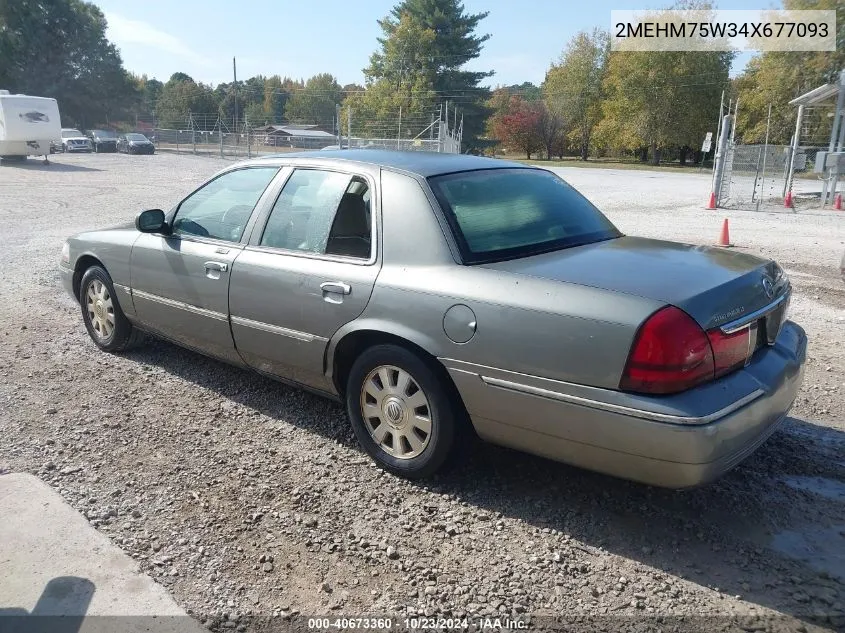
[(711, 204), (725, 237), (837, 202), (787, 201)]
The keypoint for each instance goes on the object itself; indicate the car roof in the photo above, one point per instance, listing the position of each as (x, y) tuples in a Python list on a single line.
[(423, 164)]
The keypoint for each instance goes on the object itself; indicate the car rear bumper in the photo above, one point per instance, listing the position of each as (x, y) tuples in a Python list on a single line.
[(679, 449)]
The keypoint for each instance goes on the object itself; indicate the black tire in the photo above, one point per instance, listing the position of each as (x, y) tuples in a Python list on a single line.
[(123, 336), (447, 415)]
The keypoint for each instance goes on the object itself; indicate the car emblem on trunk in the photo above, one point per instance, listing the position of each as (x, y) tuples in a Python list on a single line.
[(768, 286)]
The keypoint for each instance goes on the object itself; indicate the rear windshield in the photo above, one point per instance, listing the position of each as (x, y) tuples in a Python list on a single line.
[(499, 214), (70, 133), (136, 137)]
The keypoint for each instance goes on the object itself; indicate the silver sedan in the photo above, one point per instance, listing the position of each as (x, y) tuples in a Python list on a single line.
[(444, 296)]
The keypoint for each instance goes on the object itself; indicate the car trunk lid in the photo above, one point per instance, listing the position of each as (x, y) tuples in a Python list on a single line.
[(714, 286)]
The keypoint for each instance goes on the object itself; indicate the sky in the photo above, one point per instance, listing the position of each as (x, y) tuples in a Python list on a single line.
[(300, 39)]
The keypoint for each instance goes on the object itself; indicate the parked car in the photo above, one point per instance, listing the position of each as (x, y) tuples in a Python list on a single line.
[(437, 294), (135, 144), (103, 140), (74, 141)]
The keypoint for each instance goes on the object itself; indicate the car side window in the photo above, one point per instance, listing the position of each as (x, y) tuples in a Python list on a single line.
[(221, 208), (321, 212)]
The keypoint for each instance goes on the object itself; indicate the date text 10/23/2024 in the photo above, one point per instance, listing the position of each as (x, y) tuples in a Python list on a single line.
[(476, 623)]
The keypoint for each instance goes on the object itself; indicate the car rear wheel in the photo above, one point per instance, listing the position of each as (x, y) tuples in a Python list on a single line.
[(107, 326), (402, 413)]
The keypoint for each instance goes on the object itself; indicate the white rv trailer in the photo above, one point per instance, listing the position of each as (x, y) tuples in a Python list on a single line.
[(27, 125)]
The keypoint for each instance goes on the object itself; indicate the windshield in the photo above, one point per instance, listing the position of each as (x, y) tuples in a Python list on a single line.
[(499, 214), (104, 134), (70, 133), (136, 137)]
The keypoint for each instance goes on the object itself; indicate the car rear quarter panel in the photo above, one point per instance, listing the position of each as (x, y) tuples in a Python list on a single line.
[(526, 325)]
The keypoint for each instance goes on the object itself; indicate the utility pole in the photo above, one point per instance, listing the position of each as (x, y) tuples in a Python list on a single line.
[(440, 129), (235, 89), (193, 132), (787, 185), (337, 122), (719, 160)]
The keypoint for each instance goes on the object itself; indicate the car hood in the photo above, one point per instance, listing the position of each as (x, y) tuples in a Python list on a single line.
[(713, 285), (76, 138)]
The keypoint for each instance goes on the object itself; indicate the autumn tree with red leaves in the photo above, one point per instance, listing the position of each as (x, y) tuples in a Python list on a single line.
[(518, 127)]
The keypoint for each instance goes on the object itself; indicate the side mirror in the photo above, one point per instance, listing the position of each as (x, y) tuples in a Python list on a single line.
[(151, 221)]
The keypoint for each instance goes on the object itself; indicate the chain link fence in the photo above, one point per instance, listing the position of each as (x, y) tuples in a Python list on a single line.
[(754, 175), (757, 175), (204, 135)]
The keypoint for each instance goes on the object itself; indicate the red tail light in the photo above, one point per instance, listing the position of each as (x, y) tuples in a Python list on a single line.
[(730, 351), (672, 353)]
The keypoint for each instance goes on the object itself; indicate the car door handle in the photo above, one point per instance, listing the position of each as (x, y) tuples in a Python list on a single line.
[(336, 286), (217, 266)]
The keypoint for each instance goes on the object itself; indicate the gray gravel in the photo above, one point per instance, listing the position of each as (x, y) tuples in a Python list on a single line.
[(245, 497)]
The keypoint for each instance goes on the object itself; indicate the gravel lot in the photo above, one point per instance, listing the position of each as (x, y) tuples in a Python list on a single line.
[(245, 497)]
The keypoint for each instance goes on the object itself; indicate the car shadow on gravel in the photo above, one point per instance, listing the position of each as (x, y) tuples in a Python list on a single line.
[(782, 509), (37, 165)]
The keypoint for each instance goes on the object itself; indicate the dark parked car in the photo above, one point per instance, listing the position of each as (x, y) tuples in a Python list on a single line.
[(135, 144), (103, 140)]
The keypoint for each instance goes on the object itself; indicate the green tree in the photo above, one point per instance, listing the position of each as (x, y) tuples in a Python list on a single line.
[(181, 97), (497, 106), (573, 86), (775, 78), (399, 78), (315, 103), (659, 100), (454, 44), (59, 49), (149, 90), (277, 92), (256, 115), (526, 90)]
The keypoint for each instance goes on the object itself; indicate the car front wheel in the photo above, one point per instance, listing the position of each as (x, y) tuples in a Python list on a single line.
[(107, 326), (402, 412)]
